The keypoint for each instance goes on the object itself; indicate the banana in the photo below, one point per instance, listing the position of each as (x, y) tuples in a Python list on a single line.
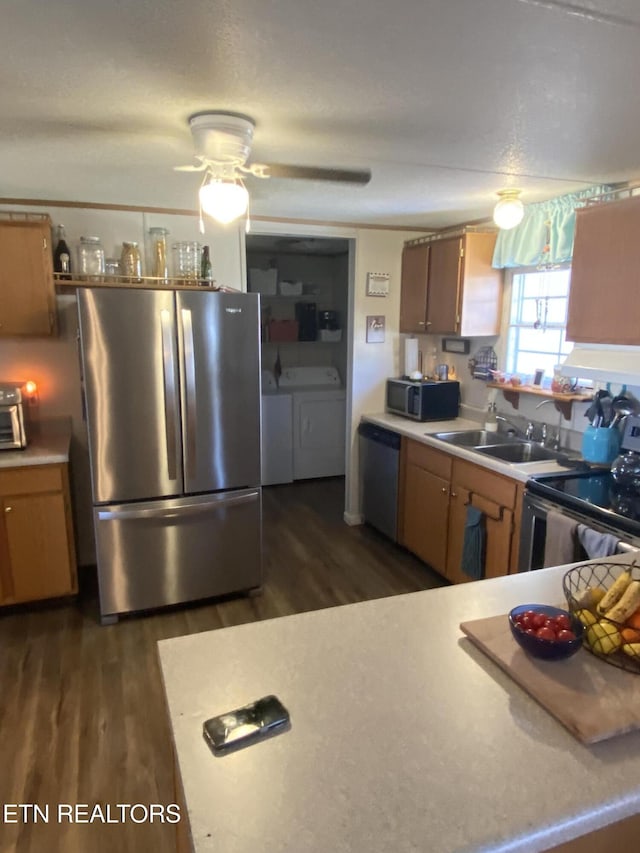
[(614, 593), (626, 605)]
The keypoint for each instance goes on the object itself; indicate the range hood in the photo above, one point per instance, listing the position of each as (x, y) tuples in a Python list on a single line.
[(604, 363)]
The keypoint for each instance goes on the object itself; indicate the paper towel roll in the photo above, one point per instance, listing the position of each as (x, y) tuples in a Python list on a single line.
[(410, 355)]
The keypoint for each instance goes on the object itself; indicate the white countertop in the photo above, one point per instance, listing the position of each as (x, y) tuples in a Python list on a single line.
[(47, 446), (404, 736), (423, 431)]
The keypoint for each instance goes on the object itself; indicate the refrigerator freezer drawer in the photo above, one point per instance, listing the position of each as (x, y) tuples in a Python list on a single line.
[(164, 552)]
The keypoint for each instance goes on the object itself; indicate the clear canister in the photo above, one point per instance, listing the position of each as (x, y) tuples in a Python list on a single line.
[(131, 262), (157, 254), (91, 259), (186, 262)]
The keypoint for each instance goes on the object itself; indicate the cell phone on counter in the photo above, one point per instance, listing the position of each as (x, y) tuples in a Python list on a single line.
[(261, 719)]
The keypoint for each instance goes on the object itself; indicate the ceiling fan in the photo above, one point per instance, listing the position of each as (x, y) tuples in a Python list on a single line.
[(222, 142)]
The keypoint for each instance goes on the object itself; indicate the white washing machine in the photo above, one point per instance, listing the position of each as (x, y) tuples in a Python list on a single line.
[(277, 433), (319, 420)]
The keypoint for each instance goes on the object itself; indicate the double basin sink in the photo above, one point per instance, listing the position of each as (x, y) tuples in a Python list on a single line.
[(498, 445)]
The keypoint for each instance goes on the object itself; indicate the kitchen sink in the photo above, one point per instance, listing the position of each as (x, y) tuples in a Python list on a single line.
[(473, 438), (499, 445), (519, 452)]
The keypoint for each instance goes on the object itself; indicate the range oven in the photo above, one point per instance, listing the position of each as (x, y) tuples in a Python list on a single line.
[(588, 497), (12, 432)]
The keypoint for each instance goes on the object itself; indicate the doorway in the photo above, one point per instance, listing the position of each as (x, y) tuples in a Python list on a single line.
[(304, 282)]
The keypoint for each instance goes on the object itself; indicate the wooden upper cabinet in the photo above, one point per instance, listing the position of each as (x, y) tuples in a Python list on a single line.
[(443, 313), (413, 288), (27, 295), (603, 297), (465, 291)]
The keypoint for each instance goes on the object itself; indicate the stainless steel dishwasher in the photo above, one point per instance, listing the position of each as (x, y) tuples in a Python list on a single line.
[(379, 467)]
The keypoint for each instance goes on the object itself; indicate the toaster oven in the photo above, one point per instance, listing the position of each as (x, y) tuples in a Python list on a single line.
[(12, 431)]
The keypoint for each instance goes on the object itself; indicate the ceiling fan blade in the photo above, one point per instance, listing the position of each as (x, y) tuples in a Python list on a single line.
[(313, 173), (199, 168)]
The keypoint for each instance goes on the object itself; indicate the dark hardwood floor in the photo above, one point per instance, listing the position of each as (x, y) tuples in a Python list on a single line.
[(82, 716)]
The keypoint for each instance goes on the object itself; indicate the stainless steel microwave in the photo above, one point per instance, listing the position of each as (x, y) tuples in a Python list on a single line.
[(12, 432), (423, 401)]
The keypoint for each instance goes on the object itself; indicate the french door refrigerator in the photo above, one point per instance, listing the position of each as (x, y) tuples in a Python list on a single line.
[(171, 386)]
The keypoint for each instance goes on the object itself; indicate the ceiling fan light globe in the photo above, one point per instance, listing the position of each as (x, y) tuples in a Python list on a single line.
[(224, 201), (508, 213)]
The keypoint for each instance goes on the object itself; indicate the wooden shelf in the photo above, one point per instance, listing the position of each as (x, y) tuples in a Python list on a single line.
[(562, 402), (147, 282)]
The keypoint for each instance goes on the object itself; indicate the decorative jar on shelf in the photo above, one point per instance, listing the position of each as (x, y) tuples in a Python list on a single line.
[(131, 263), (91, 259), (157, 255)]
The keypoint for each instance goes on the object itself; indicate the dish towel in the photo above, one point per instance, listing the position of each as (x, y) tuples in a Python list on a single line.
[(560, 544), (597, 544), (473, 544)]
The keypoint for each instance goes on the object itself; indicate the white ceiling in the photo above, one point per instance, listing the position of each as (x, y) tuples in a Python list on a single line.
[(446, 101)]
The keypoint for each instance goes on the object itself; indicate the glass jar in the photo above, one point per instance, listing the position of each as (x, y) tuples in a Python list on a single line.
[(186, 262), (91, 259), (111, 268), (131, 263), (157, 255)]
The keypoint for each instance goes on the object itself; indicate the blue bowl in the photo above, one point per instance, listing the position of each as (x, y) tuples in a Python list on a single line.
[(546, 649)]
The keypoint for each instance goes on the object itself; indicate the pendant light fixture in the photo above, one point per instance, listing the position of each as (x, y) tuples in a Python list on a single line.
[(224, 199), (509, 210)]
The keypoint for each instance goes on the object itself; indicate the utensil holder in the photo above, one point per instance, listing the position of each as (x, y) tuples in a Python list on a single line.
[(600, 445)]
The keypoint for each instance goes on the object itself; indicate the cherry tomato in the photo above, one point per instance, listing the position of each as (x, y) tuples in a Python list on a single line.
[(531, 631), (563, 622), (538, 620), (565, 635), (545, 633)]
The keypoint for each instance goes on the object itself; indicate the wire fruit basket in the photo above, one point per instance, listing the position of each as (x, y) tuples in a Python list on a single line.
[(616, 643)]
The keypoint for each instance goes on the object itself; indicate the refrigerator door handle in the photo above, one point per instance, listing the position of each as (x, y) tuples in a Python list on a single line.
[(181, 511), (189, 366), (170, 401)]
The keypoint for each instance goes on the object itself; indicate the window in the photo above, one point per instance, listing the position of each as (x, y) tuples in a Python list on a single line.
[(536, 334)]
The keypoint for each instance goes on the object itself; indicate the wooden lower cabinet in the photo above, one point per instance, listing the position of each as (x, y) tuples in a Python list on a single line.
[(435, 492), (37, 553)]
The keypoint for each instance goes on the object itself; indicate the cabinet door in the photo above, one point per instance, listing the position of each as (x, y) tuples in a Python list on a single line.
[(35, 528), (443, 314), (413, 288), (498, 526), (480, 300), (603, 299), (27, 299), (425, 516)]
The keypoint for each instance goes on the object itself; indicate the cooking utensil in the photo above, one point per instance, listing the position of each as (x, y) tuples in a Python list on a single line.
[(622, 406)]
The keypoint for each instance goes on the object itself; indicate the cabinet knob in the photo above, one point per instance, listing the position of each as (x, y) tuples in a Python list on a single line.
[(8, 509), (454, 494), (421, 322), (444, 490)]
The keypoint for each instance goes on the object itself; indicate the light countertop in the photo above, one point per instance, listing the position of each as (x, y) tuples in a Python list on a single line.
[(423, 431), (47, 445), (404, 736)]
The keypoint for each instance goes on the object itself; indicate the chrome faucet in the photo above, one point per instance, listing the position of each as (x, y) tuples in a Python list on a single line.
[(527, 434)]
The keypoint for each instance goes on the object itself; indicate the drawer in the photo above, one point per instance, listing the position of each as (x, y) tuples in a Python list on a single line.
[(431, 460), (31, 479), (501, 490)]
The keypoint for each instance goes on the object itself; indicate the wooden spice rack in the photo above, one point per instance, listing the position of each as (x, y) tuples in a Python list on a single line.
[(562, 402)]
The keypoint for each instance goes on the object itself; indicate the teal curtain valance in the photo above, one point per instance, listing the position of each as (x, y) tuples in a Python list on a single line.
[(545, 235)]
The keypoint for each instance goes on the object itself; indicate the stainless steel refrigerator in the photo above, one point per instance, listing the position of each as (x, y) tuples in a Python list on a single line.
[(171, 384)]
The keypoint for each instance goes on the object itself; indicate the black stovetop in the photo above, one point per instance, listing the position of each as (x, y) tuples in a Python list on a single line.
[(594, 493)]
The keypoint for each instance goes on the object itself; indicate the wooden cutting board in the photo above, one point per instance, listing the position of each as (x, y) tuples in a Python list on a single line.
[(592, 699)]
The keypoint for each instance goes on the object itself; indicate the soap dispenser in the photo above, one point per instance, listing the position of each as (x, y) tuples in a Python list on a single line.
[(491, 422)]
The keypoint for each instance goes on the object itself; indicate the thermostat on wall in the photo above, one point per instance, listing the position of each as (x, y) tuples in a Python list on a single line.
[(377, 284)]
